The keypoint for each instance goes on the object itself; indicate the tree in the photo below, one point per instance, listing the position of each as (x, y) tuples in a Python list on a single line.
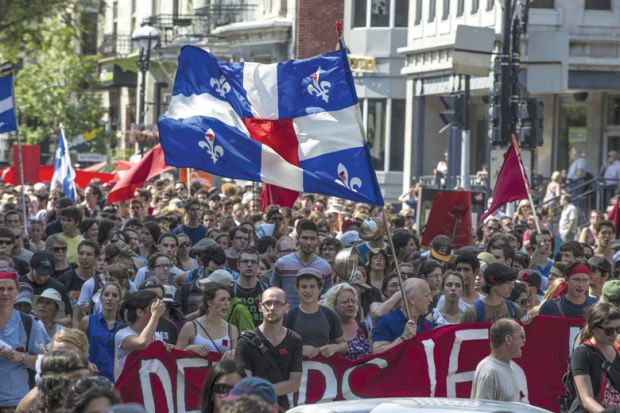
[(56, 85)]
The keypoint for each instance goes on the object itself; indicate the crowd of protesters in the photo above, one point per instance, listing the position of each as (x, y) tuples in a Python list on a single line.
[(88, 284)]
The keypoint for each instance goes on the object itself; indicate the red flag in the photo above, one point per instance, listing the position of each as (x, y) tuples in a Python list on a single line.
[(451, 216), (510, 184), (152, 164), (31, 157), (614, 217), (274, 195)]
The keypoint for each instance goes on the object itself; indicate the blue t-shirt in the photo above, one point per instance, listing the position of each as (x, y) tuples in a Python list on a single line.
[(390, 326), (194, 234), (14, 376), (570, 309), (101, 344)]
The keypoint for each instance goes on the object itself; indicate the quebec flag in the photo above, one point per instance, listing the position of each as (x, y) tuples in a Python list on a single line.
[(294, 124), (7, 109), (64, 174)]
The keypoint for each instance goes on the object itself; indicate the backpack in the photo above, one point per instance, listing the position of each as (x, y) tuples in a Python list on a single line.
[(479, 305), (27, 321)]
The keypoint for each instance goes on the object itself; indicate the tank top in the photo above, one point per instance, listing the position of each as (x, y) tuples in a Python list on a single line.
[(218, 345)]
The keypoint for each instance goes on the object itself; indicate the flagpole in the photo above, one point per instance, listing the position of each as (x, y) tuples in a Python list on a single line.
[(19, 154), (189, 188), (403, 297), (526, 182)]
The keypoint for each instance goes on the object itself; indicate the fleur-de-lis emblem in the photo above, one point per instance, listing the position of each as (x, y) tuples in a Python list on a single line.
[(209, 145), (221, 85), (319, 88), (343, 179)]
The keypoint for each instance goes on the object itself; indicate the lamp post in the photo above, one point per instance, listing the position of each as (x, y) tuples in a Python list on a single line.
[(144, 38)]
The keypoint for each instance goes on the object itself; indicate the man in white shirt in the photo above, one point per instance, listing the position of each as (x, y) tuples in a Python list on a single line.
[(568, 219), (495, 377)]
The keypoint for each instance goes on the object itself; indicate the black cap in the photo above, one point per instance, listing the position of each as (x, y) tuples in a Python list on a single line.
[(43, 263), (600, 263), (533, 278), (498, 273)]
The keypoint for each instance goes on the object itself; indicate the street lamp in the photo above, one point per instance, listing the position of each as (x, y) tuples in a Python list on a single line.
[(144, 38)]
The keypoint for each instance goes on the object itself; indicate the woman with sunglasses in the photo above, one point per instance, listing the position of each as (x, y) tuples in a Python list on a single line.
[(57, 246), (210, 332), (184, 261), (101, 327), (222, 376), (91, 395), (595, 364)]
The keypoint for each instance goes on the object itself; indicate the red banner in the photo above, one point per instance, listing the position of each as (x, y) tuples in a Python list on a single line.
[(31, 157), (439, 363), (44, 173)]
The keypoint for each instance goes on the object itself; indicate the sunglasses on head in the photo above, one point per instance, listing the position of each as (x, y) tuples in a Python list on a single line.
[(222, 388)]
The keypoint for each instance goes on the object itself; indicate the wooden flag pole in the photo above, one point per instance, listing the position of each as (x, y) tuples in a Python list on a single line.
[(526, 182), (20, 158), (403, 297), (189, 187)]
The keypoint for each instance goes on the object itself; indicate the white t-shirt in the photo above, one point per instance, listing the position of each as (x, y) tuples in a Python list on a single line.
[(496, 380), (120, 354), (569, 212)]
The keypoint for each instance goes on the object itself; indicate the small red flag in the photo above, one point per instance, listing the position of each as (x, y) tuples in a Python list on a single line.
[(274, 195), (151, 165), (510, 184)]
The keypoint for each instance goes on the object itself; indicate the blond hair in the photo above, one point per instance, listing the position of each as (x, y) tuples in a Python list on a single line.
[(74, 337)]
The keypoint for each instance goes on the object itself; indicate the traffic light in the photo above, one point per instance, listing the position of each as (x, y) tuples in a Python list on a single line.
[(531, 123), (455, 103), (495, 110)]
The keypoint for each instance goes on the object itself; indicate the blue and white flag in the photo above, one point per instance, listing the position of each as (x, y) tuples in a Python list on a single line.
[(64, 174), (294, 124), (7, 101)]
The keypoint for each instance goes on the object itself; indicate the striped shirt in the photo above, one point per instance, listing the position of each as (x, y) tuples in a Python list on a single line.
[(285, 270)]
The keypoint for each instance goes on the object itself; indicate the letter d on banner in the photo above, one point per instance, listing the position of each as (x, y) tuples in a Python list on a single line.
[(155, 367), (331, 383)]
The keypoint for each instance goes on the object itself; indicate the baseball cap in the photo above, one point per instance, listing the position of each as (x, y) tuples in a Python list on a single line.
[(487, 257), (169, 296), (533, 278), (310, 271), (601, 263), (218, 276), (441, 248), (498, 273), (25, 294), (202, 246), (611, 292), (348, 222), (253, 386), (43, 263), (349, 238)]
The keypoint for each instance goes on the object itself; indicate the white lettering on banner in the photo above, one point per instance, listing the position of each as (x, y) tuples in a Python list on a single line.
[(331, 383), (429, 350), (573, 334), (155, 367), (182, 365), (453, 377), (347, 393)]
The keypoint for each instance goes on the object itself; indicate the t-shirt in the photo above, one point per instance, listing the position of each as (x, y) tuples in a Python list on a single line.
[(495, 380), (166, 331), (73, 284), (285, 271), (22, 267), (287, 355), (315, 328), (579, 163), (569, 213), (14, 376), (120, 354), (585, 361), (72, 247), (492, 312), (38, 289), (144, 273), (194, 234), (390, 326), (250, 298), (570, 309)]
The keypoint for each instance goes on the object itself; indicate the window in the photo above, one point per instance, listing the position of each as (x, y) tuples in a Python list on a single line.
[(475, 4), (542, 4), (572, 132), (401, 18), (380, 13), (446, 10), (359, 13), (613, 110), (418, 12), (397, 139), (375, 132), (431, 10), (598, 5), (460, 8), (490, 4)]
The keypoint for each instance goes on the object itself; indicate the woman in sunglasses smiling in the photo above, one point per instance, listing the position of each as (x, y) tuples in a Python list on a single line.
[(220, 380), (595, 364)]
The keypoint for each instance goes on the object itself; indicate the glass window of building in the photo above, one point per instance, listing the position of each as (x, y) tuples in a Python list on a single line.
[(401, 18), (490, 4), (375, 132), (418, 12), (475, 5), (397, 135), (572, 122), (446, 10), (598, 5), (359, 13), (431, 10), (380, 13), (460, 8), (542, 4), (613, 110)]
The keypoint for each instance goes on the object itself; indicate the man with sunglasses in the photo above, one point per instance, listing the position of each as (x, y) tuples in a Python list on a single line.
[(7, 241), (272, 351)]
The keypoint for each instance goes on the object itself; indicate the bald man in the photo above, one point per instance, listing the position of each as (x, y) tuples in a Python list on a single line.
[(272, 351), (394, 328)]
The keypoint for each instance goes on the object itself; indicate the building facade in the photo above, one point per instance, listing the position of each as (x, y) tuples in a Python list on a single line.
[(581, 110)]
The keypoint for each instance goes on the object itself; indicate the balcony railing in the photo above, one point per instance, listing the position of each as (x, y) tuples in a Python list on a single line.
[(116, 44), (177, 28), (224, 14)]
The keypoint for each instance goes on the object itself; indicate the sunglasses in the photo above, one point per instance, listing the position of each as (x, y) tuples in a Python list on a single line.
[(4, 242), (610, 331), (222, 388), (59, 249)]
